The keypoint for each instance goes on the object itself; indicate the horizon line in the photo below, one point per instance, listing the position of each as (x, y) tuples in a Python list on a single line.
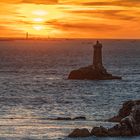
[(67, 38)]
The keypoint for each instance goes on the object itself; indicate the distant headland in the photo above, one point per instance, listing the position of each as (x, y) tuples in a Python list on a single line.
[(96, 71)]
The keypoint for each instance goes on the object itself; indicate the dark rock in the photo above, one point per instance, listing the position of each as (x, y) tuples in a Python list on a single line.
[(119, 130), (129, 125), (60, 118), (113, 132), (80, 133), (68, 118), (137, 130), (136, 112), (115, 119), (126, 133), (130, 122), (89, 73), (94, 72), (99, 131), (79, 118), (124, 111)]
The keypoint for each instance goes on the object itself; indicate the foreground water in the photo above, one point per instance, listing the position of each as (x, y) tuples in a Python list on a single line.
[(34, 86)]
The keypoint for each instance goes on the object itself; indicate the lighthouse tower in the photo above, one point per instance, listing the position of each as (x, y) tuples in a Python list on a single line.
[(97, 56)]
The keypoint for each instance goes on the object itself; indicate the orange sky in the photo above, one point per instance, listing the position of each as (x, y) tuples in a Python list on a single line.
[(70, 18)]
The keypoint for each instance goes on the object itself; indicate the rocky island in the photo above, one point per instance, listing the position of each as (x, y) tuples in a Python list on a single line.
[(96, 71)]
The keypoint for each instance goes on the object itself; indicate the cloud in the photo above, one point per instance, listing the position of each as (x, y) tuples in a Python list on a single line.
[(30, 1), (128, 3), (77, 26), (10, 1), (107, 14), (40, 1), (73, 17), (10, 32)]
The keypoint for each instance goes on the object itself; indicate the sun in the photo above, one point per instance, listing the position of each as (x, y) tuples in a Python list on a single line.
[(38, 23), (38, 19), (40, 12), (38, 27)]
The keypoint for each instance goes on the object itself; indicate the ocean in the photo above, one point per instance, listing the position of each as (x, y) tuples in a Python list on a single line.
[(34, 89)]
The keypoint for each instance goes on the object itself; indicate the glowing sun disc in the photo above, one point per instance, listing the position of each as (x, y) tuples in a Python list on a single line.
[(38, 19), (40, 12), (38, 27)]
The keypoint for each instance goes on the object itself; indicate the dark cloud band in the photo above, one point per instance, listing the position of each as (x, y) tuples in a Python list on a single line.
[(41, 1), (31, 1)]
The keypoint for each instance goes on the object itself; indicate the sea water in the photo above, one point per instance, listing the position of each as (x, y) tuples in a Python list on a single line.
[(34, 88)]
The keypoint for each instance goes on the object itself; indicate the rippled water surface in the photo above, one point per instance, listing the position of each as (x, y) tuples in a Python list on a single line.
[(34, 86)]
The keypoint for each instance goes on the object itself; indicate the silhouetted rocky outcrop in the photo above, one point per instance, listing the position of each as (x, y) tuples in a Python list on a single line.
[(80, 133), (94, 72), (124, 111), (99, 131), (68, 118), (129, 123)]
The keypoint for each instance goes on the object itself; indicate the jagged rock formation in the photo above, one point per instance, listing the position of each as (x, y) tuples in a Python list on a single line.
[(129, 124), (94, 72), (124, 111), (80, 133)]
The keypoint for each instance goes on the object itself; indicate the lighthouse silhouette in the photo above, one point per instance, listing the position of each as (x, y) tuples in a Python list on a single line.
[(97, 55), (96, 71)]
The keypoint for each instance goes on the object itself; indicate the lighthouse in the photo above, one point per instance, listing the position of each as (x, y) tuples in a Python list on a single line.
[(97, 56), (96, 71)]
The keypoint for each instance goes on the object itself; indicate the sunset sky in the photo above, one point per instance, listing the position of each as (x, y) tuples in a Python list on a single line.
[(70, 18)]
